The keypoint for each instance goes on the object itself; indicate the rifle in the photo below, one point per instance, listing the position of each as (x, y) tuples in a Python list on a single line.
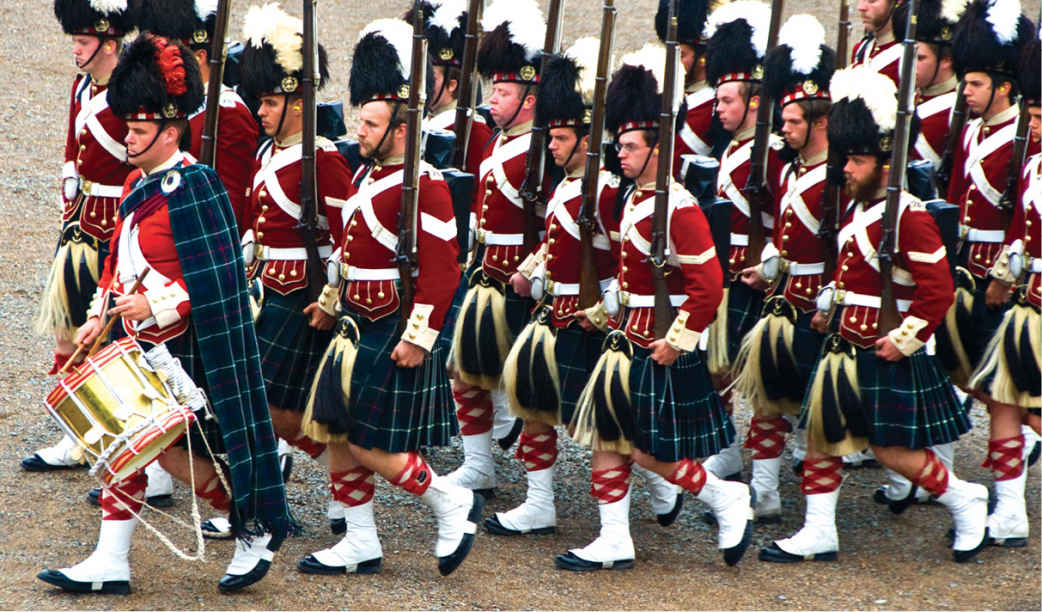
[(951, 142), (1020, 145), (844, 34), (755, 190), (889, 318), (467, 91), (215, 60), (406, 255), (531, 191), (589, 286), (308, 224), (666, 125)]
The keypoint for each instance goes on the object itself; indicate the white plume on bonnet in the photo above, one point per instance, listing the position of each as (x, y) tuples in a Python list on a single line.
[(205, 8), (525, 19), (399, 34), (952, 10), (281, 30), (1004, 16), (804, 35), (446, 15), (875, 90), (107, 7), (756, 14), (586, 51)]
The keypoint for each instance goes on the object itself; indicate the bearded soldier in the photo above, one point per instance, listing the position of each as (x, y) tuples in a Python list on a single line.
[(492, 313), (869, 384), (776, 356), (91, 185), (880, 50), (382, 392)]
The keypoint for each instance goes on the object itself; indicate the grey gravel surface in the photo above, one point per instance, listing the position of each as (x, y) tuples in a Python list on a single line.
[(886, 561)]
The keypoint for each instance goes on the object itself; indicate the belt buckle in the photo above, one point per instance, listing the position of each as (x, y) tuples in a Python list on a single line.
[(964, 231), (345, 271), (841, 296), (85, 187), (260, 250), (624, 298), (481, 236), (550, 286)]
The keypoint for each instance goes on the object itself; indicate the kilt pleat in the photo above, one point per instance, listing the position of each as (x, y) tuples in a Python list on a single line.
[(290, 349), (577, 352), (744, 305)]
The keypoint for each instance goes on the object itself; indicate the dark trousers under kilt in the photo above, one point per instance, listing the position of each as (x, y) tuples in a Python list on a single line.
[(290, 349)]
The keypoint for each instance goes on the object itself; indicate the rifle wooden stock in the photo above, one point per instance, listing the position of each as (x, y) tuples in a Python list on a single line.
[(531, 191), (831, 203), (664, 312), (843, 39), (1020, 146), (215, 61), (406, 255), (308, 225), (889, 317), (952, 141), (589, 284), (755, 190), (467, 91)]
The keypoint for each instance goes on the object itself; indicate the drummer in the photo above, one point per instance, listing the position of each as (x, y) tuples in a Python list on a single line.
[(176, 221)]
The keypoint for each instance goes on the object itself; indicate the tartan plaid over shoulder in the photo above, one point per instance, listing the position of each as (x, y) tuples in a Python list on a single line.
[(207, 242)]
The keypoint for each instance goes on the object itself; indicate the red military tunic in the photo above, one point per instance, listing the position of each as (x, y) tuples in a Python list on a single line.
[(274, 210), (370, 244), (480, 136), (237, 135), (734, 173), (147, 243), (934, 108), (95, 155), (692, 270), (558, 258), (798, 210), (500, 210), (922, 281), (1024, 231), (693, 135), (882, 55)]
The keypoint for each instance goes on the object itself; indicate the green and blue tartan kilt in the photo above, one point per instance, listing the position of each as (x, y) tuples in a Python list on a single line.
[(576, 352), (447, 329), (909, 403), (186, 349), (290, 349), (390, 408), (744, 305), (678, 413)]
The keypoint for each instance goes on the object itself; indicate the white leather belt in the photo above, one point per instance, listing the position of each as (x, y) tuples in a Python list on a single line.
[(266, 253), (101, 191), (798, 269), (849, 298), (352, 273), (1036, 266), (494, 239), (739, 240), (557, 289), (635, 300), (975, 235)]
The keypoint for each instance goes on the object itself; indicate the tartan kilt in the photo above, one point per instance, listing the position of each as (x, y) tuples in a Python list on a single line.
[(449, 327), (744, 305), (386, 407), (576, 351), (968, 326), (671, 413), (290, 349), (909, 403)]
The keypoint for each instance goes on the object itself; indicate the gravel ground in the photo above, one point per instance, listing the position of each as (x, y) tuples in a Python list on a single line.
[(887, 562)]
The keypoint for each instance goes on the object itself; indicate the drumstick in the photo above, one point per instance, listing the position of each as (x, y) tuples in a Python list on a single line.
[(105, 331)]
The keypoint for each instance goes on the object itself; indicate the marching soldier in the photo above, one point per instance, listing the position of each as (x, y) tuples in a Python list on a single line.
[(492, 313), (91, 185), (775, 360), (868, 385), (648, 399), (382, 391), (192, 22), (199, 309), (1008, 374), (879, 49), (736, 34)]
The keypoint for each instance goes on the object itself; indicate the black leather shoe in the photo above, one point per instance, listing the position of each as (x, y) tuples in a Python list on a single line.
[(231, 584), (60, 580), (1036, 450), (508, 440), (493, 526), (213, 532), (37, 464), (670, 517), (338, 526), (569, 561), (897, 506), (734, 554), (156, 501), (962, 556), (773, 554), (311, 565), (449, 563)]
